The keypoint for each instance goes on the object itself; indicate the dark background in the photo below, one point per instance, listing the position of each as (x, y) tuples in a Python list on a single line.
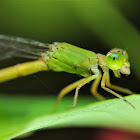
[(69, 21)]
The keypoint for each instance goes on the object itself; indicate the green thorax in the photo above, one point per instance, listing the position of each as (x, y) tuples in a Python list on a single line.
[(69, 58)]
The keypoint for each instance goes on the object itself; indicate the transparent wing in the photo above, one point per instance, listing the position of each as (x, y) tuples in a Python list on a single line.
[(20, 47)]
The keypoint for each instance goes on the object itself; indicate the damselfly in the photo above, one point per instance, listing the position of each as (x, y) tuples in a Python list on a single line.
[(64, 57)]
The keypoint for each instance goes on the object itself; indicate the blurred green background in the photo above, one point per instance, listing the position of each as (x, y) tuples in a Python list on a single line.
[(96, 25)]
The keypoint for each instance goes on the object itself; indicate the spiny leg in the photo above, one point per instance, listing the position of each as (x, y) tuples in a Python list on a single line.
[(65, 91), (94, 87), (118, 88), (85, 81), (103, 83)]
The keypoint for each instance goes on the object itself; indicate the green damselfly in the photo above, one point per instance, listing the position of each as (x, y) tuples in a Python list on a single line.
[(64, 57)]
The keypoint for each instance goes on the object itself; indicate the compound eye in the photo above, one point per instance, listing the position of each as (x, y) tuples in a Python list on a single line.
[(114, 60)]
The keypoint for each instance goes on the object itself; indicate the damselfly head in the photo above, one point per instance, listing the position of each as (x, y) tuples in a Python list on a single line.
[(117, 59)]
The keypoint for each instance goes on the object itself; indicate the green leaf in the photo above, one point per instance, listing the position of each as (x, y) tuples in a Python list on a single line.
[(21, 115)]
